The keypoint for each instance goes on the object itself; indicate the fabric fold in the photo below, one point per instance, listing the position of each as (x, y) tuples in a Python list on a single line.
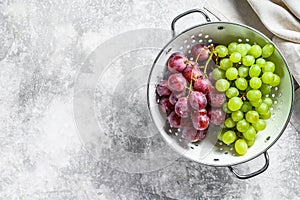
[(277, 19)]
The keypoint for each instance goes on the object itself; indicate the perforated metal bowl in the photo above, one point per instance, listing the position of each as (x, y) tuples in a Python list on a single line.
[(211, 151)]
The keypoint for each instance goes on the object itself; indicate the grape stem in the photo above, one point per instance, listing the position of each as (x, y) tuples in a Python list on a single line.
[(207, 62), (191, 82), (243, 97)]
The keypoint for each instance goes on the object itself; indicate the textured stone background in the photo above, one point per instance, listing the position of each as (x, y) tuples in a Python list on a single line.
[(43, 44)]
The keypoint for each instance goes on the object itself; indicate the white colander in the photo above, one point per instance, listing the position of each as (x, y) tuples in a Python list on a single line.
[(211, 151)]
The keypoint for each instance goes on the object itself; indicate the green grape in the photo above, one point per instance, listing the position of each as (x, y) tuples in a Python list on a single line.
[(248, 46), (243, 71), (260, 62), (225, 63), (252, 116), (237, 115), (241, 83), (231, 73), (255, 51), (232, 92), (235, 57), (248, 60), (250, 133), (267, 77), (225, 108), (267, 50), (229, 137), (276, 80), (253, 95), (262, 108), (235, 103), (254, 71), (250, 142), (242, 49), (265, 89), (268, 67), (222, 51), (220, 134), (268, 101), (267, 115), (255, 82), (242, 125), (218, 73), (260, 125), (246, 106), (222, 85), (232, 47), (256, 103), (229, 123), (241, 147)]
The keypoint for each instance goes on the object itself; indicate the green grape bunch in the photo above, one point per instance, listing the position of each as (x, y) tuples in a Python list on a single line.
[(246, 75)]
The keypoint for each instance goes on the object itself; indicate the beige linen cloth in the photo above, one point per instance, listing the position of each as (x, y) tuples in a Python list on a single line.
[(277, 19)]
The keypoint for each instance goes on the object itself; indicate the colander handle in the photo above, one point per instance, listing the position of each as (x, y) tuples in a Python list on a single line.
[(246, 176), (184, 14)]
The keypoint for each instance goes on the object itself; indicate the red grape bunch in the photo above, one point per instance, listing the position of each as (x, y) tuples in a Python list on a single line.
[(188, 97)]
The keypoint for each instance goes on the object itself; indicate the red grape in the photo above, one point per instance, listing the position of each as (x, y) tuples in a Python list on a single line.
[(197, 100), (165, 105), (187, 73), (176, 82), (216, 98), (174, 120), (190, 133), (180, 94), (162, 88), (202, 112), (177, 62), (202, 134), (203, 85), (217, 115), (182, 107), (173, 98), (211, 79), (200, 50), (200, 121)]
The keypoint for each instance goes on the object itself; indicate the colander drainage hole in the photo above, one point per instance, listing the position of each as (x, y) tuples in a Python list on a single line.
[(220, 27), (216, 159), (226, 152), (267, 139)]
